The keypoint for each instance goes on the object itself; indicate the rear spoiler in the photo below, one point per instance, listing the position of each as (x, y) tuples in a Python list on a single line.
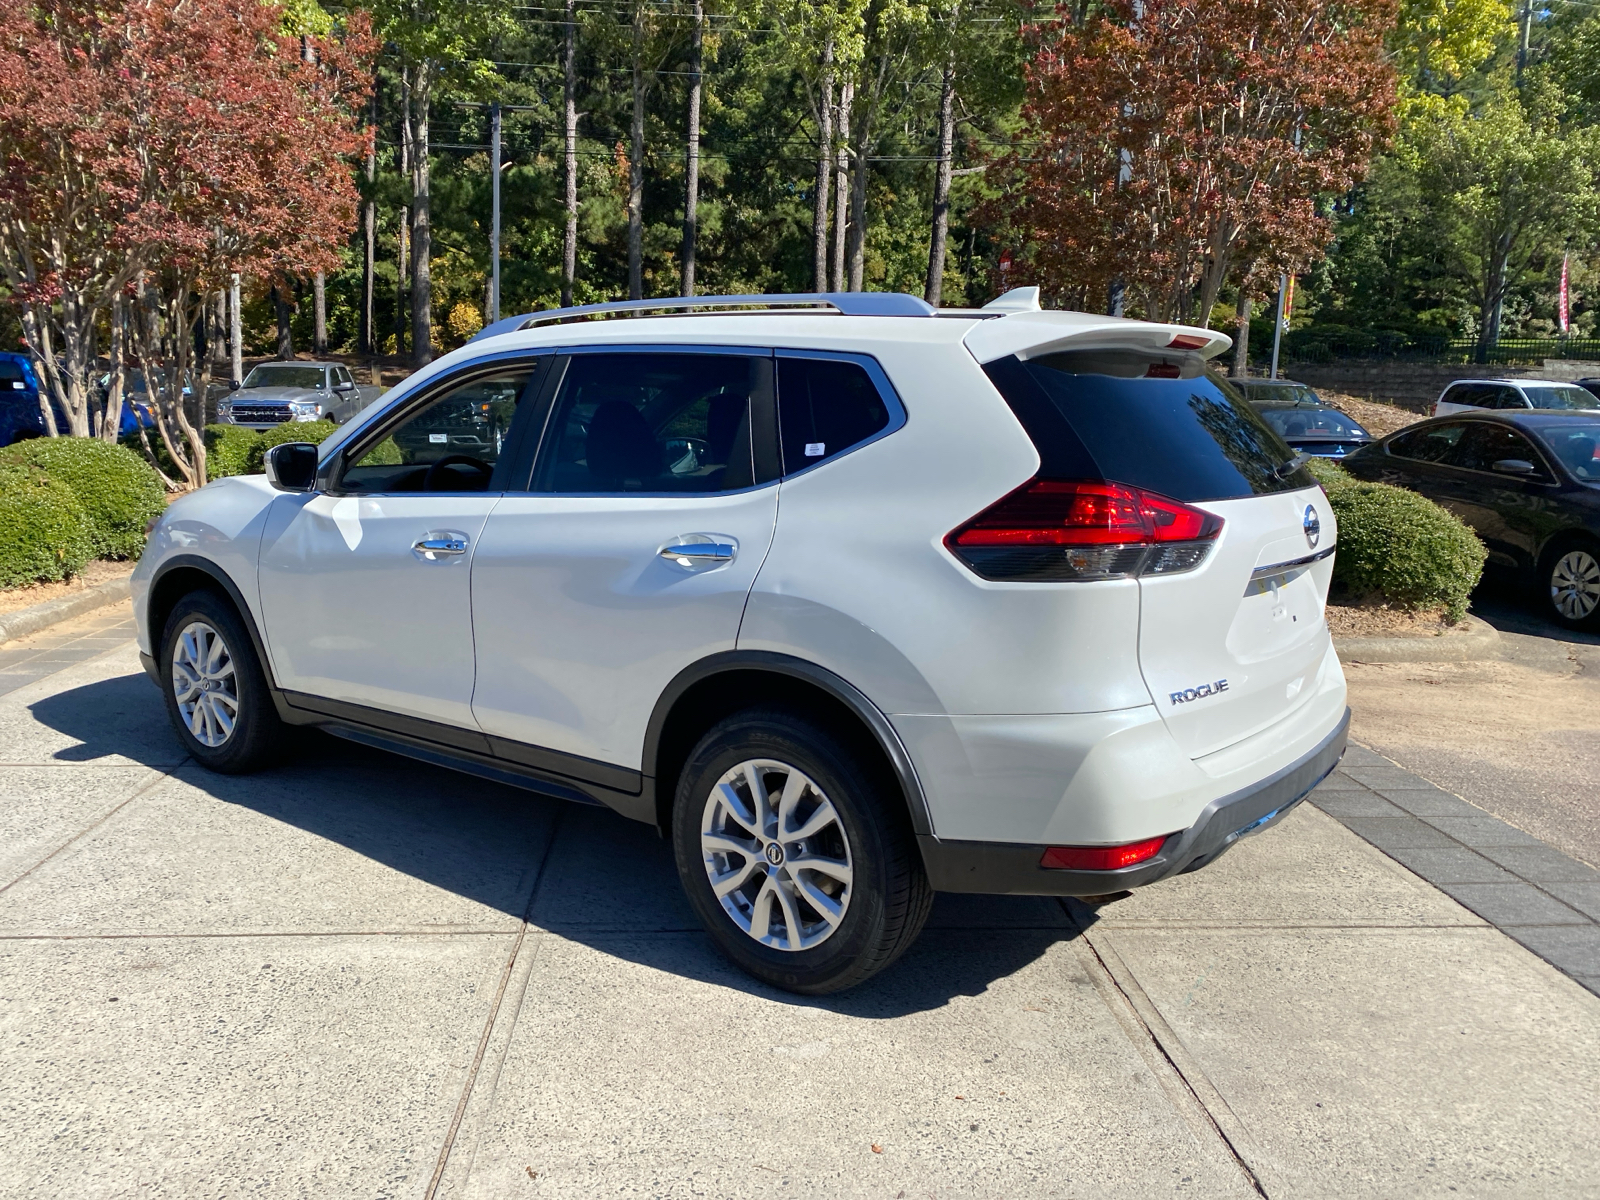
[(1034, 334)]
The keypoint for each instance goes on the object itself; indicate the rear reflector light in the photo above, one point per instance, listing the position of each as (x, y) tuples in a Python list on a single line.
[(1101, 858), (1187, 341), (1051, 530)]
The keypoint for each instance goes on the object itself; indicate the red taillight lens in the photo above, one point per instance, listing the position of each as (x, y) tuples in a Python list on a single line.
[(1101, 858), (1050, 530), (1187, 341)]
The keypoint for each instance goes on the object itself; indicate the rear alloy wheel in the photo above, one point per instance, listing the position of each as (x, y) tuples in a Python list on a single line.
[(216, 691), (1573, 585), (796, 853)]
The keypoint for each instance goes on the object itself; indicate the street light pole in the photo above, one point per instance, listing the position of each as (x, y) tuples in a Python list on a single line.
[(1277, 326), (494, 225)]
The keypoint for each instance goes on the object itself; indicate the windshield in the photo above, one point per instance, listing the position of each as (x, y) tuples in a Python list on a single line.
[(284, 375), (1279, 393), (1561, 397), (1312, 423), (1575, 444)]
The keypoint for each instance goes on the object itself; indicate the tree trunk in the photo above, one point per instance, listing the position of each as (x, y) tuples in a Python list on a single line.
[(285, 333), (369, 236), (636, 164), (421, 223), (691, 171), (1241, 337), (941, 184), (819, 211), (235, 333), (319, 301), (841, 178), (858, 209), (111, 417), (402, 279), (569, 92)]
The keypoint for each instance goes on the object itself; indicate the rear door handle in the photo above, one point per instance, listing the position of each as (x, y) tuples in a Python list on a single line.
[(435, 547), (699, 552)]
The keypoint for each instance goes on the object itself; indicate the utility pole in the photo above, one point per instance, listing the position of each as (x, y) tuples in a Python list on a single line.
[(494, 224), (1277, 326)]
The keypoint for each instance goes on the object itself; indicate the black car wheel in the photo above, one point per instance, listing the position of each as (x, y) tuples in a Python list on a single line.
[(216, 691), (1570, 583), (795, 854)]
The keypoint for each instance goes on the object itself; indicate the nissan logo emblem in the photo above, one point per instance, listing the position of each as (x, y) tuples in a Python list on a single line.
[(1313, 527)]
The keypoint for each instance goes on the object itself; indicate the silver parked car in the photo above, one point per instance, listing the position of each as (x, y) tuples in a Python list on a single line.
[(277, 393)]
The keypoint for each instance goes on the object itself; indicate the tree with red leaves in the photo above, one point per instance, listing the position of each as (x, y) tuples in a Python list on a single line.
[(1170, 144), (151, 148)]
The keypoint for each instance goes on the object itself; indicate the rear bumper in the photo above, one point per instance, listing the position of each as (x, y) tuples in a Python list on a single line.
[(1008, 869)]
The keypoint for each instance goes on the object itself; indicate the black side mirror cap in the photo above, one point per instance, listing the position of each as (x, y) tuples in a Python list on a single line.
[(234, 385), (1514, 466), (292, 467)]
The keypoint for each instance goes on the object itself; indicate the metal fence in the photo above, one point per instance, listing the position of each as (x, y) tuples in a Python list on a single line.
[(1312, 346)]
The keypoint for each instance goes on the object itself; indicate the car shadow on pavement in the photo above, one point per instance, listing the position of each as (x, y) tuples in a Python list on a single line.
[(1512, 607), (580, 873)]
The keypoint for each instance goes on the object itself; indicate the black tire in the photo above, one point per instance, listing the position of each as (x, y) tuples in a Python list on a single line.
[(256, 735), (888, 894), (1569, 584)]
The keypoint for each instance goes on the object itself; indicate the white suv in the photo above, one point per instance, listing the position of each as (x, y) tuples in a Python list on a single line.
[(856, 601), (1469, 395)]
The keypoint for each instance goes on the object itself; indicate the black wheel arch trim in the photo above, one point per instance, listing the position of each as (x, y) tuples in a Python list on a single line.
[(220, 577), (837, 687)]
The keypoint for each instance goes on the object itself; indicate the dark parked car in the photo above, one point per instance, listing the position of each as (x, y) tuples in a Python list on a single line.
[(20, 414), (1316, 429), (1527, 483), (1276, 391)]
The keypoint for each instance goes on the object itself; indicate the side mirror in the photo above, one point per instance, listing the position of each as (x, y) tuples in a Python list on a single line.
[(343, 387), (233, 385), (292, 467), (1514, 466)]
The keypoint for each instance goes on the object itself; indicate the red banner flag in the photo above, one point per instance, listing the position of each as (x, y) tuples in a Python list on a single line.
[(1565, 309)]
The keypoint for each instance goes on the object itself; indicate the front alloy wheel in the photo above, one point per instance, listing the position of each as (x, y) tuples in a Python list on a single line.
[(204, 684), (1575, 586), (776, 855)]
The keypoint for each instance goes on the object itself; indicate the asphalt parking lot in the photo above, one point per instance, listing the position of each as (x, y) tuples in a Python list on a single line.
[(360, 976)]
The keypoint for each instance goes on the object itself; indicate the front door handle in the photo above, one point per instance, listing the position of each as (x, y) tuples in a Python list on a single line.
[(439, 546), (699, 552)]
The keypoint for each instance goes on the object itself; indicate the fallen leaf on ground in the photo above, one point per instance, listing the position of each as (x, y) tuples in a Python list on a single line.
[(877, 1149)]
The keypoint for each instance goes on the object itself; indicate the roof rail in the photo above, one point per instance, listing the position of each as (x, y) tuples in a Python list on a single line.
[(849, 304)]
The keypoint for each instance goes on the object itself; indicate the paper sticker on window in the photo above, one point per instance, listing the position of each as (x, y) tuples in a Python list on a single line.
[(439, 439), (816, 449)]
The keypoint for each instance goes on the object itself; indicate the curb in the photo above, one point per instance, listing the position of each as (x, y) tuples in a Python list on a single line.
[(1473, 640), (41, 616)]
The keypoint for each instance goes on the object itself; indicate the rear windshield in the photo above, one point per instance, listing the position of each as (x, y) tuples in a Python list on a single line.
[(10, 371), (1159, 422), (1279, 393), (1560, 397)]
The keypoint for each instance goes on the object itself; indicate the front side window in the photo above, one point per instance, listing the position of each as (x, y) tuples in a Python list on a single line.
[(450, 444), (825, 406), (648, 422), (284, 375), (1432, 444), (1483, 445)]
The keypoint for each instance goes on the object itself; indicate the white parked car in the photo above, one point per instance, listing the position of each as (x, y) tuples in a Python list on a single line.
[(854, 600), (1466, 395)]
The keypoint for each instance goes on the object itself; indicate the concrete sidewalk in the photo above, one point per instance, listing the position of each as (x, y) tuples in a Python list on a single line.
[(356, 975)]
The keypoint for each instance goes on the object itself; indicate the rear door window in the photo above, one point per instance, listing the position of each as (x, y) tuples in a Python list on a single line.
[(1431, 444), (825, 407), (648, 422), (1160, 422)]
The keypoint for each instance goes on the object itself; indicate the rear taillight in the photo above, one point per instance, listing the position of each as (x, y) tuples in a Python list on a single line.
[(1049, 530), (1101, 858)]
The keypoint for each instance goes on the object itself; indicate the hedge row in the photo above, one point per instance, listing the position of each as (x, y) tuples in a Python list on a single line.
[(234, 450), (66, 500), (1399, 547)]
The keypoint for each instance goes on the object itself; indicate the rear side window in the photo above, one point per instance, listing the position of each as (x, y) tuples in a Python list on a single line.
[(826, 406), (1433, 443), (1161, 423)]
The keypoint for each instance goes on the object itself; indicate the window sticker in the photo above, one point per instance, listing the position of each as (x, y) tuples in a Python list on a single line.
[(438, 439), (816, 449)]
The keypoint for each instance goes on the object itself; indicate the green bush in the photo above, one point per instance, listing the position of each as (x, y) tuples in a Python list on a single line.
[(308, 431), (1400, 547), (44, 531), (228, 449), (118, 491)]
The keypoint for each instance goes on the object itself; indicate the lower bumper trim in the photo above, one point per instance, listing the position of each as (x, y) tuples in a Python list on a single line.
[(1007, 869)]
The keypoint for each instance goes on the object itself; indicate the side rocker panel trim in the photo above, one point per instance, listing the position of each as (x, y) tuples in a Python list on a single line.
[(840, 689)]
